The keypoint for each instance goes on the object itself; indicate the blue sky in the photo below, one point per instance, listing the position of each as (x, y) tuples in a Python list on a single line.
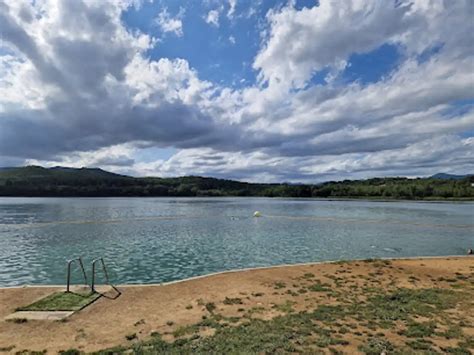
[(209, 49), (301, 91)]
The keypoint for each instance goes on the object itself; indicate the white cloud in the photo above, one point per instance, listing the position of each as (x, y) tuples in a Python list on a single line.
[(232, 39), (301, 42), (164, 80), (232, 6), (252, 9), (168, 23), (212, 18)]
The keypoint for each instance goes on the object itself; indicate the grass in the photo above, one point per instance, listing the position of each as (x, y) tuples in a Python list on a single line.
[(320, 287), (18, 320), (377, 346), (184, 330), (210, 307), (291, 332), (230, 301), (327, 327), (404, 303), (256, 310), (453, 332), (286, 307), (7, 348), (253, 336), (70, 352), (131, 337), (456, 350), (420, 344), (278, 285), (308, 276), (61, 301), (419, 330)]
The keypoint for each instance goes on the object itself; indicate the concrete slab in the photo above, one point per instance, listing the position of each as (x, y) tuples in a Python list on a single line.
[(39, 315), (84, 290)]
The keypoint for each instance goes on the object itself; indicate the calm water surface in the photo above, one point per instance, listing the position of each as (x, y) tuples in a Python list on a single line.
[(150, 240)]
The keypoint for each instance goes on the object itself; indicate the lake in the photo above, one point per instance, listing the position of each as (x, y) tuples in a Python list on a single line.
[(152, 240)]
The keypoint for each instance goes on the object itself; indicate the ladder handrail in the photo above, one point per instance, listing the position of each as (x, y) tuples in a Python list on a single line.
[(69, 263), (106, 274)]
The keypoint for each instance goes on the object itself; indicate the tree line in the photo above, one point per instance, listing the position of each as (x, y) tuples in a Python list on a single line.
[(63, 182)]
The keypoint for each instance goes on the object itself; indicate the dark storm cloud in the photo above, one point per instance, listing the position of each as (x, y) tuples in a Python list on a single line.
[(39, 135)]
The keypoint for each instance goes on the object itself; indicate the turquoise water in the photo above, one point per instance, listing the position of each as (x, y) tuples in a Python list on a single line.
[(151, 240)]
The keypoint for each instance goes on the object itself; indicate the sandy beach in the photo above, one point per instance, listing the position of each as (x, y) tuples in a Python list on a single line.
[(142, 312)]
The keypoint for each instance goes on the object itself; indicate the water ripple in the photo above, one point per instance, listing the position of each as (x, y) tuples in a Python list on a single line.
[(157, 240)]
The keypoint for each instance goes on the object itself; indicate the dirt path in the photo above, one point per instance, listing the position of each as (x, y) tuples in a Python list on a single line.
[(143, 310)]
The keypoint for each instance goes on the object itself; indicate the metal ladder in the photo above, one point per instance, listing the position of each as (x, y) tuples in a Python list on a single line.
[(92, 286), (69, 263), (106, 274)]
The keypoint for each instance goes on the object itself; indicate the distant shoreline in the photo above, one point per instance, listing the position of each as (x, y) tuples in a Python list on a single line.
[(348, 198)]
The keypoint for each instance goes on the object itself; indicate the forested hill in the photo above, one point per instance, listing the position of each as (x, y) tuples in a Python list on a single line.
[(60, 181)]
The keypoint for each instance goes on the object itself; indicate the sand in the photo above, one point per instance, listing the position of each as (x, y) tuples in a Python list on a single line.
[(142, 310)]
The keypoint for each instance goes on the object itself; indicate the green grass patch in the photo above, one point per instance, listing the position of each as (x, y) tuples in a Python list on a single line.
[(376, 346), (420, 344), (230, 300), (453, 332), (403, 303), (324, 341), (131, 337), (286, 307), (277, 285), (325, 328), (7, 348), (18, 320), (419, 330), (210, 307), (319, 287), (61, 301), (70, 352), (326, 313), (468, 342), (456, 350), (283, 334), (185, 330), (256, 309)]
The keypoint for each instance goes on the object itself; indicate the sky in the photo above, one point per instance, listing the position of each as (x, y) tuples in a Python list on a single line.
[(255, 90)]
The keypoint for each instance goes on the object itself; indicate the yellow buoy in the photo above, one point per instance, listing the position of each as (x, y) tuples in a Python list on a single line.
[(257, 214)]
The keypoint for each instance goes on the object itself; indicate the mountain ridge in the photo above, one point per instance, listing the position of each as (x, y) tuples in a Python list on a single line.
[(100, 171), (449, 176)]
